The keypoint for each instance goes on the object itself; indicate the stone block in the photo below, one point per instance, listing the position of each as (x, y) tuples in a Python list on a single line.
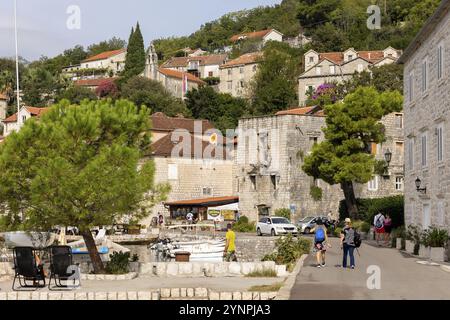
[(424, 251), (201, 292), (247, 267), (144, 295), (91, 296), (190, 292), (122, 295), (81, 296), (281, 271), (54, 296), (156, 296), (3, 296), (255, 296), (247, 296), (12, 296), (91, 277), (272, 295), (175, 293), (438, 254), (112, 296), (264, 296), (43, 296), (268, 265), (146, 268), (235, 268), (172, 269), (398, 243), (101, 296), (132, 295), (161, 269), (237, 295), (226, 296), (23, 295), (183, 292), (101, 276), (220, 269), (68, 296), (165, 293), (122, 277), (214, 295), (185, 269)]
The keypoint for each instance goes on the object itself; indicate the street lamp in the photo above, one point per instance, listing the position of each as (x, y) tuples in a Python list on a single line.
[(418, 188), (388, 156)]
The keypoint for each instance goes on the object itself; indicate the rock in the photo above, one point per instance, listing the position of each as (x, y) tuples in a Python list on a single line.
[(175, 293), (201, 292), (235, 268), (132, 295), (247, 296), (144, 295), (237, 295), (172, 269), (184, 269), (165, 293), (112, 296), (226, 296), (214, 295)]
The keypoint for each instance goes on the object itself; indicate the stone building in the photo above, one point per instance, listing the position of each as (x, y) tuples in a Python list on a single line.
[(235, 75), (3, 106), (178, 83), (205, 66), (270, 154), (328, 67), (262, 35), (111, 60), (17, 120), (427, 122)]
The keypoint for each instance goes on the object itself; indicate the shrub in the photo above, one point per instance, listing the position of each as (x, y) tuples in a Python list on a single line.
[(434, 237), (413, 233), (337, 232), (316, 193), (118, 263), (265, 273), (288, 250), (243, 225), (368, 208), (285, 213), (365, 227)]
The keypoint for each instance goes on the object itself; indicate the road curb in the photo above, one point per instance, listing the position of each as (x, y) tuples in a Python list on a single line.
[(445, 268), (285, 291)]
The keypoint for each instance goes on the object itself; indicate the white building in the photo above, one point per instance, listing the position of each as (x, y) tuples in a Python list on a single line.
[(427, 123), (263, 35), (206, 66), (16, 121), (328, 67)]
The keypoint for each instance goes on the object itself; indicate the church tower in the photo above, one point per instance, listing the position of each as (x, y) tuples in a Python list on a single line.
[(151, 63)]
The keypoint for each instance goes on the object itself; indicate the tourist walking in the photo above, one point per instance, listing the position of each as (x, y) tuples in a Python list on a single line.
[(190, 218), (378, 223), (160, 220), (348, 243), (387, 228), (320, 242), (230, 247)]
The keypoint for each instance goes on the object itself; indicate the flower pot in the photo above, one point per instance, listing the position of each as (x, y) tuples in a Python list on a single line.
[(409, 246), (438, 254), (398, 243), (424, 252)]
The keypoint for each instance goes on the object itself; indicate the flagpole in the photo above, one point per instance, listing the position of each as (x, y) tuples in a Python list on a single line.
[(17, 60)]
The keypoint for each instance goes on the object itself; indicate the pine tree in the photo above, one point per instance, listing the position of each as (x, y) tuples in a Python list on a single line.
[(135, 61)]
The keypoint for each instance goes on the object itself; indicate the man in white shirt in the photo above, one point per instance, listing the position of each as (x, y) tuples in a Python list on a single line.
[(378, 223)]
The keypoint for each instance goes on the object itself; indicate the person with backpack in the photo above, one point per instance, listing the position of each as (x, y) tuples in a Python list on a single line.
[(378, 223), (350, 240), (320, 242)]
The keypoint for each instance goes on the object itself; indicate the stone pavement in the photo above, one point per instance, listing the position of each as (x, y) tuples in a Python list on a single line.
[(401, 277)]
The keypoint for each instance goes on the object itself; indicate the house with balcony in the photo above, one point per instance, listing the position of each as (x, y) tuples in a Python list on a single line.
[(206, 66)]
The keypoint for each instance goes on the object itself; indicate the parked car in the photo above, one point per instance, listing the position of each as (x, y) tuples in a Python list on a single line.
[(306, 224), (275, 226)]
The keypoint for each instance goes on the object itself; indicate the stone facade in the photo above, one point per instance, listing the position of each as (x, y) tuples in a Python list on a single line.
[(427, 123), (269, 157)]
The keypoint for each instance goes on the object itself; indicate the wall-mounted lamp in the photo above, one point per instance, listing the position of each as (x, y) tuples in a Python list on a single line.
[(418, 188)]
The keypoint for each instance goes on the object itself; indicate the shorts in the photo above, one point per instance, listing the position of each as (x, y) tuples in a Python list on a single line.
[(231, 256), (379, 230), (387, 229), (319, 246)]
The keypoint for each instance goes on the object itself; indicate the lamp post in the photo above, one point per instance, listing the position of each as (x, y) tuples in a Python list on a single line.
[(387, 158), (418, 188)]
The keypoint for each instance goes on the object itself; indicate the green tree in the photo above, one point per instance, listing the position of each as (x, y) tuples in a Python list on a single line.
[(151, 93), (135, 60), (40, 86), (76, 94), (220, 108), (352, 126), (78, 166), (275, 83), (108, 45)]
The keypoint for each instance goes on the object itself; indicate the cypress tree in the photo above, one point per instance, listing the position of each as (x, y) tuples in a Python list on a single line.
[(135, 61)]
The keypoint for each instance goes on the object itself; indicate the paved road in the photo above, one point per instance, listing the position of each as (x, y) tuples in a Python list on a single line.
[(401, 277)]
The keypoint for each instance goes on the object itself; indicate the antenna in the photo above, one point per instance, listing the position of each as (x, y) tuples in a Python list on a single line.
[(17, 60)]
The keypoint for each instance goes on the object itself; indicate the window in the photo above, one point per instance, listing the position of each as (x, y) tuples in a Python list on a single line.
[(311, 59), (399, 183), (426, 216), (24, 118), (424, 76), (350, 57), (230, 71), (440, 61), (207, 191), (424, 149), (253, 181), (373, 148), (173, 171), (332, 69), (373, 184), (273, 179), (230, 85), (210, 74), (440, 219), (241, 70), (242, 84), (440, 142), (411, 87), (399, 121), (313, 140), (411, 153)]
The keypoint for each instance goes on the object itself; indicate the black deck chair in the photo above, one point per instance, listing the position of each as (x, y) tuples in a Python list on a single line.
[(26, 269), (62, 267)]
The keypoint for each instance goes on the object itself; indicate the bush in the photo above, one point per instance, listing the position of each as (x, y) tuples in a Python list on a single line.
[(434, 237), (288, 250), (285, 213), (368, 208), (365, 227), (118, 263), (315, 193), (413, 233), (265, 273), (337, 232), (243, 225)]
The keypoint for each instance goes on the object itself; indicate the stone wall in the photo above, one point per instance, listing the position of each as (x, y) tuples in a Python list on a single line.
[(251, 249)]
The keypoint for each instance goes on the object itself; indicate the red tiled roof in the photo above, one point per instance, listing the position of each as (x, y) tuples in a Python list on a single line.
[(93, 82), (3, 97), (205, 201), (372, 56), (248, 58), (104, 55), (207, 60), (161, 122), (312, 111), (179, 75), (251, 35), (164, 147), (34, 111)]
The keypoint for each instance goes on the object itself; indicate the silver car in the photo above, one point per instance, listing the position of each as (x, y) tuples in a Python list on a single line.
[(306, 224)]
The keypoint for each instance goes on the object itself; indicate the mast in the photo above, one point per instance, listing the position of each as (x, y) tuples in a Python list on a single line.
[(17, 60)]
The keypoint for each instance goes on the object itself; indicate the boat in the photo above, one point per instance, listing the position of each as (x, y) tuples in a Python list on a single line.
[(38, 240), (104, 245), (83, 250)]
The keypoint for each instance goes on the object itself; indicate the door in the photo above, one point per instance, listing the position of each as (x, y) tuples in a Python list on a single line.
[(426, 222)]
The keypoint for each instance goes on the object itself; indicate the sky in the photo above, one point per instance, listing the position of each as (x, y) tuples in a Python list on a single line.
[(43, 24)]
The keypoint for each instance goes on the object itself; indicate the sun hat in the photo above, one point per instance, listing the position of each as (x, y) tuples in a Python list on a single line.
[(348, 220)]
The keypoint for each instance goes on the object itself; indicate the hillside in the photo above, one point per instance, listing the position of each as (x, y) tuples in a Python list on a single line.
[(332, 24)]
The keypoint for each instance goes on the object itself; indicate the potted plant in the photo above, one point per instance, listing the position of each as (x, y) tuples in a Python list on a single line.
[(413, 239), (434, 241), (399, 236)]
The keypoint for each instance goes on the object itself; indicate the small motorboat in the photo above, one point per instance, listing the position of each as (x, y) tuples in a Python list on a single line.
[(38, 240), (84, 250)]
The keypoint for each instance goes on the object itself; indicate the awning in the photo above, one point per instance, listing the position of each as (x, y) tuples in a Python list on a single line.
[(231, 206), (204, 202)]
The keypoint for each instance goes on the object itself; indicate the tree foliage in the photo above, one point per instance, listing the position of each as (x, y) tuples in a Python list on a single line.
[(78, 166), (76, 94), (135, 60)]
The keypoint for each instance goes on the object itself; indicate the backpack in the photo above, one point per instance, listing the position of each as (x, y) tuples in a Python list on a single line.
[(320, 235), (378, 223), (357, 239)]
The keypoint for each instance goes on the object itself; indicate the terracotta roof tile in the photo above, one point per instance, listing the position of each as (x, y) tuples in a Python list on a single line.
[(251, 35), (34, 111), (214, 201), (93, 82), (3, 97), (179, 75), (104, 55), (212, 59), (161, 122), (248, 58), (311, 111), (372, 56)]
